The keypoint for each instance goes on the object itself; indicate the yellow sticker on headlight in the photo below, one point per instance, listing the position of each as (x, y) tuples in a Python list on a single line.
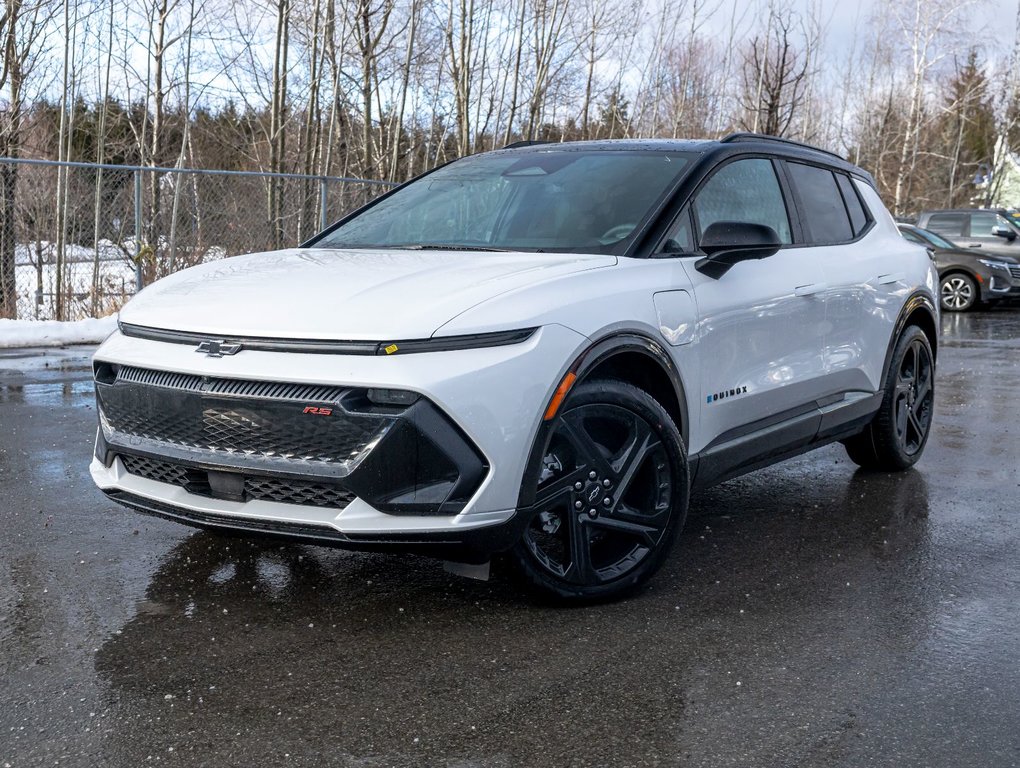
[(390, 349)]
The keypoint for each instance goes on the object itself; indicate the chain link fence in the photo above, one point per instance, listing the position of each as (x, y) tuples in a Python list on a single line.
[(78, 239)]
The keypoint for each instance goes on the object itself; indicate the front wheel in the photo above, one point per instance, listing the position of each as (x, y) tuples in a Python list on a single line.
[(896, 437), (611, 495)]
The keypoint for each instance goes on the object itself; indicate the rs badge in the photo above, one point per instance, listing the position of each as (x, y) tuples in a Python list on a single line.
[(316, 411)]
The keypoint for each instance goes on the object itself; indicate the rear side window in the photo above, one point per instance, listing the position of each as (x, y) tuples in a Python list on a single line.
[(824, 215), (747, 191), (854, 206), (948, 224)]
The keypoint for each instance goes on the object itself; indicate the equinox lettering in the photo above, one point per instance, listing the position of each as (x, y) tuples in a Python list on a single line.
[(725, 393)]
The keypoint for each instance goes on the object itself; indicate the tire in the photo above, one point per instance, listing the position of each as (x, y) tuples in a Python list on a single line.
[(896, 437), (611, 497), (958, 292)]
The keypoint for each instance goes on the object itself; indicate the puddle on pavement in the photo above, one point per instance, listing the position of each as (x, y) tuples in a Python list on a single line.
[(74, 393), (42, 362)]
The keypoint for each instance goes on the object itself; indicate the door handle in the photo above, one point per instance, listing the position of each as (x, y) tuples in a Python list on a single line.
[(892, 277), (974, 245), (809, 290)]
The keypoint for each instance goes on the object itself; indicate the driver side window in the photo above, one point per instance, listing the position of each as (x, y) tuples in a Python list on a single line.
[(746, 191)]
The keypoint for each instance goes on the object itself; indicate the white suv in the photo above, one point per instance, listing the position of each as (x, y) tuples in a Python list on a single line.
[(535, 352)]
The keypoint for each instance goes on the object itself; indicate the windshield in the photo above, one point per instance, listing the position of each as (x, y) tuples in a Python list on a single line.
[(551, 200)]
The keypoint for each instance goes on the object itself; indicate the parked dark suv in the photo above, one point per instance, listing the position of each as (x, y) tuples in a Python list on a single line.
[(967, 276), (993, 230)]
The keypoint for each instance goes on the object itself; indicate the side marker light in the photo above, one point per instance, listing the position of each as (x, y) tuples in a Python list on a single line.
[(560, 395)]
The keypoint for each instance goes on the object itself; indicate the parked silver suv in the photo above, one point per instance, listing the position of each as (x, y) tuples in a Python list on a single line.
[(534, 352), (987, 230)]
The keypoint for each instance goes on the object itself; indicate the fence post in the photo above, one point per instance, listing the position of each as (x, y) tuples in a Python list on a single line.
[(323, 200), (138, 230)]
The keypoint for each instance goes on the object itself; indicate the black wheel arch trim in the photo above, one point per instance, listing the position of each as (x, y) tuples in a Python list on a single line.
[(596, 353), (917, 301)]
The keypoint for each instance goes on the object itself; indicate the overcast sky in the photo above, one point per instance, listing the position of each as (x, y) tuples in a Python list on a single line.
[(993, 22)]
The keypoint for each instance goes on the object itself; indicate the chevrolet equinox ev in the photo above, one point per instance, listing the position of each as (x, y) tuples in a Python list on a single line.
[(534, 353)]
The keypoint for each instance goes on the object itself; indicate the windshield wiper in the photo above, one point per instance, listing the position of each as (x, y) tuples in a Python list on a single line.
[(441, 247)]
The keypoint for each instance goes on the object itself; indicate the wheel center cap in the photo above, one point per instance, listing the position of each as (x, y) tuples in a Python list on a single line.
[(592, 494)]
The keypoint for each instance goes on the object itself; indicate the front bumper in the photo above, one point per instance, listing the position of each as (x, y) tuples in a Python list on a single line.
[(1002, 284), (492, 397), (357, 526)]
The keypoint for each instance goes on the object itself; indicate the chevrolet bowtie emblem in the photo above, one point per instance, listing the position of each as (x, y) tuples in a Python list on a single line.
[(218, 348)]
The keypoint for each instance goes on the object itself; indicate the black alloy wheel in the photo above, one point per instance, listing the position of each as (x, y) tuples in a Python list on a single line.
[(915, 396), (958, 292), (611, 495), (896, 437)]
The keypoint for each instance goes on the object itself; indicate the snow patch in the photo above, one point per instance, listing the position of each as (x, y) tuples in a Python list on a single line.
[(52, 333)]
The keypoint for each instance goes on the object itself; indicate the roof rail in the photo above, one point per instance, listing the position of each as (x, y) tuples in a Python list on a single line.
[(529, 143), (747, 136)]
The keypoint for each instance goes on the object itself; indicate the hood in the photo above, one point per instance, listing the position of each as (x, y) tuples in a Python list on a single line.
[(349, 295)]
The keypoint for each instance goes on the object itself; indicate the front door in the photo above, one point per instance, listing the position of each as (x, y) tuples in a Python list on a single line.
[(761, 325)]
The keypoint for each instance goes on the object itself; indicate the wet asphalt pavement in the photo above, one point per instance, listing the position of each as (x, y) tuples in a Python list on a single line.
[(812, 615)]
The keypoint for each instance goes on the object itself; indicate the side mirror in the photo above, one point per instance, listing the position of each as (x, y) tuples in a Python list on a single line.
[(730, 242), (1004, 231)]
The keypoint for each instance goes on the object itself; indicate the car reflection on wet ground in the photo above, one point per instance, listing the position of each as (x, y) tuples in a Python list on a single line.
[(811, 615)]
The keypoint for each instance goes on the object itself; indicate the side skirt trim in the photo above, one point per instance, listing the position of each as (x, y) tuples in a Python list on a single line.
[(783, 436)]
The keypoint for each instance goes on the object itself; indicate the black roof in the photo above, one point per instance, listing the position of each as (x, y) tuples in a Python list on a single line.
[(661, 145), (736, 143)]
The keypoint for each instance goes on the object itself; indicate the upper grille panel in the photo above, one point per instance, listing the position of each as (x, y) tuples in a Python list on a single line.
[(271, 390)]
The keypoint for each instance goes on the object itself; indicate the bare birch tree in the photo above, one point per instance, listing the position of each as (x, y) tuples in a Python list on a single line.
[(776, 72), (927, 29), (371, 21), (24, 31), (551, 51)]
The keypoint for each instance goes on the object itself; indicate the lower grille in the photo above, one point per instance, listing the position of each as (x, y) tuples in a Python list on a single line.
[(1015, 272), (296, 492), (256, 487), (160, 471)]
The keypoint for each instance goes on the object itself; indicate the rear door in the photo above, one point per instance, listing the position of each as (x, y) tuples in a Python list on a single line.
[(866, 283)]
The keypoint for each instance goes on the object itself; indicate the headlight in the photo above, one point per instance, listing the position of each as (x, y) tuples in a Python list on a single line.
[(995, 264)]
